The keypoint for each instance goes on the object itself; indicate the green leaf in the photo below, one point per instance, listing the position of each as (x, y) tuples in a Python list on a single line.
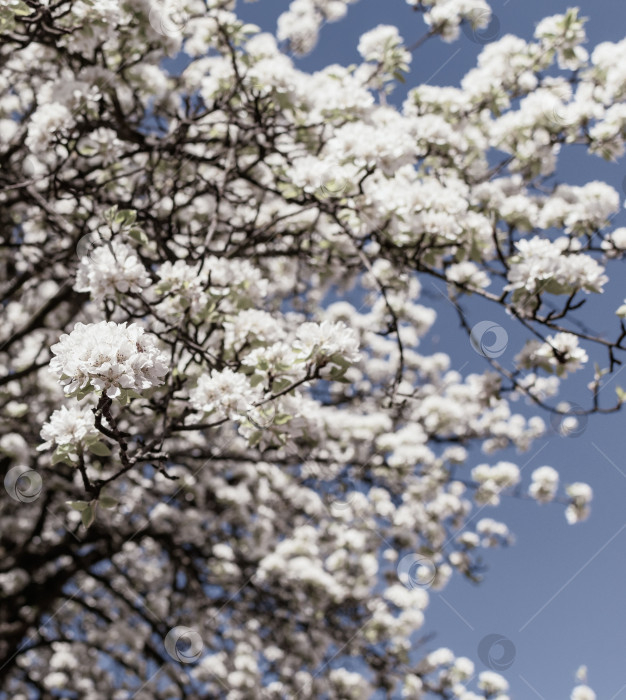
[(289, 191), (62, 455), (340, 360), (80, 394), (110, 214), (138, 235), (88, 515), (126, 217), (107, 502), (280, 384), (21, 9), (126, 396), (255, 438), (256, 379), (78, 505), (342, 379), (554, 287), (100, 449)]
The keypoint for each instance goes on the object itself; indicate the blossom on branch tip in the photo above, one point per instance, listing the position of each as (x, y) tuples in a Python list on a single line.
[(108, 357), (583, 692), (545, 481), (580, 495), (320, 341), (69, 426), (541, 265)]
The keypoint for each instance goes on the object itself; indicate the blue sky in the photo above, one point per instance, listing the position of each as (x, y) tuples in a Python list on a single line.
[(558, 593)]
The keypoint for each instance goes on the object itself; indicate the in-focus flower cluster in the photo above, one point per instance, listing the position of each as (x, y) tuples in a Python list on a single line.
[(108, 357), (541, 266), (330, 345), (69, 426)]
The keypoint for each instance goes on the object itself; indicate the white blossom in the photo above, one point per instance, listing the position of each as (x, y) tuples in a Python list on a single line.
[(559, 354), (109, 357), (540, 265), (110, 268), (48, 120), (580, 495), (615, 243), (227, 392), (492, 682), (545, 481), (290, 229), (251, 326), (582, 692), (374, 45), (69, 426), (468, 273), (320, 341), (565, 33)]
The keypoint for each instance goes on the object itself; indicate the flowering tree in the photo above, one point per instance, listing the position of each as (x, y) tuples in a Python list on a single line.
[(230, 472)]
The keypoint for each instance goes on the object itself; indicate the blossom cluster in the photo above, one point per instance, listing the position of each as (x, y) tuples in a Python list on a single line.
[(69, 426), (109, 269), (300, 24), (541, 266), (445, 16), (108, 357), (580, 495), (226, 393), (559, 354), (289, 222)]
